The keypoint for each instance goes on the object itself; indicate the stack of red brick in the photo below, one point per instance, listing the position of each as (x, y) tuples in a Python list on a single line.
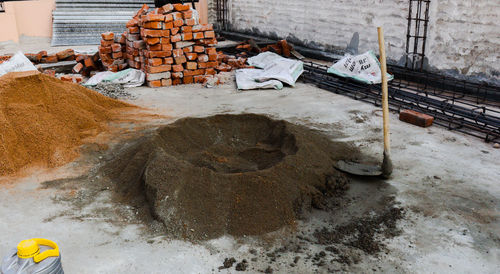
[(171, 46), (111, 52)]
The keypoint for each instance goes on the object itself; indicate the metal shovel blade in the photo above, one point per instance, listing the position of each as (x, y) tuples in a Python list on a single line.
[(358, 169)]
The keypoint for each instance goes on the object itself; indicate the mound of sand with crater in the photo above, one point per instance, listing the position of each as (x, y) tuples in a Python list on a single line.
[(43, 120), (229, 174)]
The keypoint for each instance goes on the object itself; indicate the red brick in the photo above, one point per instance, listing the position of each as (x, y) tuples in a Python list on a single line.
[(176, 38), (203, 58), (165, 40), (199, 79), (116, 47), (187, 49), (89, 63), (210, 71), (177, 75), (177, 52), (209, 34), (156, 33), (143, 10), (198, 35), (162, 54), (224, 67), (177, 15), (117, 55), (166, 82), (106, 43), (157, 47), (199, 49), (180, 59), (105, 50), (153, 40), (159, 69), (177, 68), (50, 59), (153, 17), (178, 23), (153, 25), (154, 62), (212, 57), (191, 56), (168, 61), (108, 36), (50, 72), (416, 118), (187, 29), (168, 25), (132, 23), (174, 31), (134, 30), (167, 47), (154, 84), (181, 7), (211, 51), (212, 64), (176, 82), (188, 72), (190, 22), (77, 68), (167, 8), (191, 65), (65, 54), (187, 36), (188, 80), (168, 18), (202, 65), (207, 27), (197, 28), (139, 45), (67, 78), (189, 14)]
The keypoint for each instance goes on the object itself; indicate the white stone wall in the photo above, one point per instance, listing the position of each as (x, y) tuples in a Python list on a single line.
[(464, 35)]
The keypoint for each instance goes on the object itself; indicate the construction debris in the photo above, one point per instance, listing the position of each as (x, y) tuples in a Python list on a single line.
[(416, 118)]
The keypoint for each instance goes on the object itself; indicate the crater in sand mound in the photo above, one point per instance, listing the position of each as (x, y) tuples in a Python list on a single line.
[(230, 145), (229, 174)]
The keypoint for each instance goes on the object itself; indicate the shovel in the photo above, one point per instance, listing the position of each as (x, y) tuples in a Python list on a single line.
[(386, 169)]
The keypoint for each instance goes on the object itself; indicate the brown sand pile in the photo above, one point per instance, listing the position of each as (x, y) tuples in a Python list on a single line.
[(234, 174), (43, 120)]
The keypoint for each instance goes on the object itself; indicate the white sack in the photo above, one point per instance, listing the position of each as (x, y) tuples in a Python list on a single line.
[(16, 63), (129, 78), (364, 68)]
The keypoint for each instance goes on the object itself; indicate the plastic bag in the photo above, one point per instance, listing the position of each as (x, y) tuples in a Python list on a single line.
[(18, 62), (364, 68), (129, 78)]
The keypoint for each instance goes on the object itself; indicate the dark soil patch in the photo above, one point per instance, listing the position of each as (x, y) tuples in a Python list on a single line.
[(229, 174)]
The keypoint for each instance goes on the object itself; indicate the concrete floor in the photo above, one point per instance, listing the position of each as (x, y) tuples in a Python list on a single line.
[(448, 182)]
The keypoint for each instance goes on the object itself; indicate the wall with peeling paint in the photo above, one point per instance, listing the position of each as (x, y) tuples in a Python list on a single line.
[(464, 35)]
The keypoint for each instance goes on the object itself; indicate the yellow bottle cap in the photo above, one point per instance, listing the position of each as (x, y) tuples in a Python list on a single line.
[(27, 249)]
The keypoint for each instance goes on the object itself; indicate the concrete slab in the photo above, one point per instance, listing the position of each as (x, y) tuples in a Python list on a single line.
[(448, 182)]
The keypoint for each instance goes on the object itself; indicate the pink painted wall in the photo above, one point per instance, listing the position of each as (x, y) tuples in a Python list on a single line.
[(30, 18)]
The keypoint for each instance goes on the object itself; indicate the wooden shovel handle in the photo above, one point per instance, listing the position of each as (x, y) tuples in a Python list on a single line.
[(385, 92)]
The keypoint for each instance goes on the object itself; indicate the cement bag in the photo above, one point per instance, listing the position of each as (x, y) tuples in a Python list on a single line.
[(245, 79), (364, 68), (128, 78), (16, 63), (276, 67)]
